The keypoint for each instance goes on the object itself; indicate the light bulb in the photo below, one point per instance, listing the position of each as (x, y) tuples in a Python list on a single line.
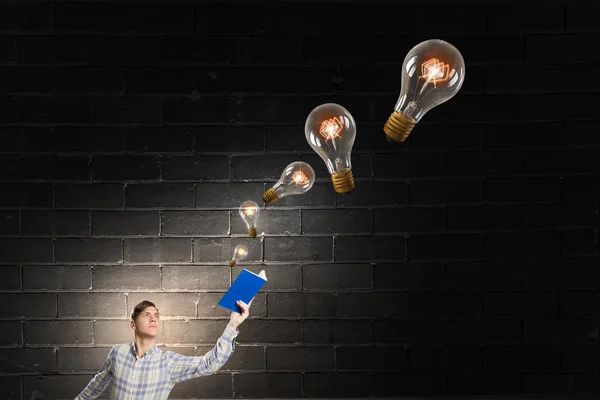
[(297, 178), (432, 73), (330, 131), (239, 254), (249, 212)]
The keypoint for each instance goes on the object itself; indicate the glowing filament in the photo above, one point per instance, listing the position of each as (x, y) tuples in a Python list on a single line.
[(299, 177), (435, 71), (242, 252), (331, 128), (249, 210)]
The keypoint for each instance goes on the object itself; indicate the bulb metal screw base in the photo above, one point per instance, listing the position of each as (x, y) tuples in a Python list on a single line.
[(232, 263), (270, 196), (343, 181), (252, 232), (398, 126)]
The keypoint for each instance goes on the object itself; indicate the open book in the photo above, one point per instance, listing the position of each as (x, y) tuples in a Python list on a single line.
[(244, 288)]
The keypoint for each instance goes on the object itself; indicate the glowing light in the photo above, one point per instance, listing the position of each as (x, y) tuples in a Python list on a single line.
[(239, 253), (250, 210), (435, 71), (331, 128), (299, 178)]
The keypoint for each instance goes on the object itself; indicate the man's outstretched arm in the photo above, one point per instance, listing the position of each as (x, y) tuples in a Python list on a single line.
[(182, 368), (99, 382)]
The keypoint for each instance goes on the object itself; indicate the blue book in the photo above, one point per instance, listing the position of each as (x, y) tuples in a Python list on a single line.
[(244, 288)]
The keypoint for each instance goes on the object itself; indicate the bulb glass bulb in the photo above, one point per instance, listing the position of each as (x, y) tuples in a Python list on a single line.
[(432, 73), (239, 253), (330, 131), (297, 178), (249, 211)]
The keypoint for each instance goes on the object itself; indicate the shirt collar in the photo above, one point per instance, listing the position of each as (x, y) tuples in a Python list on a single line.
[(152, 350)]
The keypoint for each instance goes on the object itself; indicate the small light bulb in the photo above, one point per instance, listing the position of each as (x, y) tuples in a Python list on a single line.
[(249, 212), (239, 254), (432, 73), (297, 178), (330, 130)]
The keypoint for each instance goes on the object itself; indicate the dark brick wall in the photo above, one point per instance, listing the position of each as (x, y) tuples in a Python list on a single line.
[(465, 262)]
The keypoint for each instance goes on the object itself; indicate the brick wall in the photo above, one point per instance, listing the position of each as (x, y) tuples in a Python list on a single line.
[(465, 262)]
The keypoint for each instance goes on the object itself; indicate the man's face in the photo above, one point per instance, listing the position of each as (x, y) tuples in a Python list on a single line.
[(147, 322)]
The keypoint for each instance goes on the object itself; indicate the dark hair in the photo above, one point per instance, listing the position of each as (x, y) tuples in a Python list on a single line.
[(141, 307)]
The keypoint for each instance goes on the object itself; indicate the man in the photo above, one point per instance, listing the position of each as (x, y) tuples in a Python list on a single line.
[(140, 370)]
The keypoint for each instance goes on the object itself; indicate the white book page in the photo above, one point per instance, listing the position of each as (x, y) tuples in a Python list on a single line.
[(262, 274)]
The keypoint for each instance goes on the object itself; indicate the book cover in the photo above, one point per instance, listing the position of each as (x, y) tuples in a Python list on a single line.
[(244, 288)]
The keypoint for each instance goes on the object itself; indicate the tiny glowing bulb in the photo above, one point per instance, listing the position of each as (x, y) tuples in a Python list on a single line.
[(249, 213), (239, 254), (297, 178)]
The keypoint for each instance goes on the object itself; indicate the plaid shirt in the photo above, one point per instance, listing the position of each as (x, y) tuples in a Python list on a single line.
[(153, 375)]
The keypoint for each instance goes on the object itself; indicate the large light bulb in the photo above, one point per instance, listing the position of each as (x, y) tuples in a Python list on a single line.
[(239, 254), (330, 131), (432, 73), (297, 178), (249, 212)]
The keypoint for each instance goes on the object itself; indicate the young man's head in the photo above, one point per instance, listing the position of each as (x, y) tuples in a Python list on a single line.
[(145, 319)]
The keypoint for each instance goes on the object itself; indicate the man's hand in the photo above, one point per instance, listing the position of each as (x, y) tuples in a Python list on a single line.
[(236, 317)]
